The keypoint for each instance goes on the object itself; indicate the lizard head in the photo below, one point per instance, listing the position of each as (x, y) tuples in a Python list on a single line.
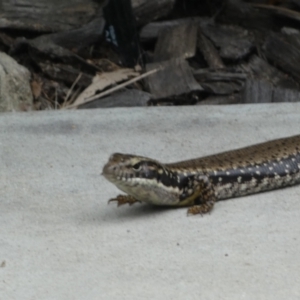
[(143, 178), (126, 169)]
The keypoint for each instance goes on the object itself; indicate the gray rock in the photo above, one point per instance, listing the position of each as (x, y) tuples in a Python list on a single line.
[(15, 91)]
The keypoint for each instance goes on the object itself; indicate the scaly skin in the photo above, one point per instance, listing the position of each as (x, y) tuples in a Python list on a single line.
[(200, 182)]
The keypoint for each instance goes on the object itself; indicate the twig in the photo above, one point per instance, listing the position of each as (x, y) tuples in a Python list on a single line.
[(71, 88), (118, 87)]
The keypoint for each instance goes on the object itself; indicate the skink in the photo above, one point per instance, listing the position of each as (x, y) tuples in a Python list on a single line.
[(200, 182)]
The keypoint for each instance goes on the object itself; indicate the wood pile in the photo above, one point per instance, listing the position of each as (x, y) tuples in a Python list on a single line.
[(88, 54)]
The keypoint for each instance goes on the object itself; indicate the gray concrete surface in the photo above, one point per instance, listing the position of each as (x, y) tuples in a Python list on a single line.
[(59, 239)]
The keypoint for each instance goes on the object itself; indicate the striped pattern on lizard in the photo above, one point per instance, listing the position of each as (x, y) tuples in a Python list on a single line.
[(200, 182)]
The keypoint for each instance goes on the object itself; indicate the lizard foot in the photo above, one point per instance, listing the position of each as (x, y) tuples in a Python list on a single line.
[(201, 209), (124, 199)]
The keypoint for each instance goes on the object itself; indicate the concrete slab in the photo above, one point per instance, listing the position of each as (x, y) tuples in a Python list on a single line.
[(61, 240)]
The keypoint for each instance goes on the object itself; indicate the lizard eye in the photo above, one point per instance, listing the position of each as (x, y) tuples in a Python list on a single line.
[(137, 167)]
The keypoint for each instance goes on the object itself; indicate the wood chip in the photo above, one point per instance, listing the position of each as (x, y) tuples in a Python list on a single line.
[(175, 78), (169, 44)]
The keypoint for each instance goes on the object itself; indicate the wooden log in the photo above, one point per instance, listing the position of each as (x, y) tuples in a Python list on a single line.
[(147, 11), (234, 42), (174, 78), (125, 98), (151, 30), (283, 53), (257, 91), (47, 15), (209, 52), (220, 82), (170, 42)]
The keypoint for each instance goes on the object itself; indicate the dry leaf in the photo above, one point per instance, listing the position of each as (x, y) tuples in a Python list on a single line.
[(102, 81)]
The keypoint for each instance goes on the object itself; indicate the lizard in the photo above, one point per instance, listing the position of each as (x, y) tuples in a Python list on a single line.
[(199, 183)]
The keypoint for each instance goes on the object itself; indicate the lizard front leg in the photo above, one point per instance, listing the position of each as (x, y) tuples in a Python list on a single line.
[(203, 197)]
